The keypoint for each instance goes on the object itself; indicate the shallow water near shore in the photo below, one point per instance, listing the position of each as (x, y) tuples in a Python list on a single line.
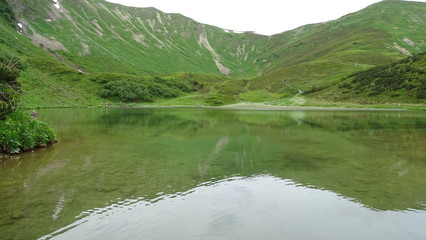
[(219, 174)]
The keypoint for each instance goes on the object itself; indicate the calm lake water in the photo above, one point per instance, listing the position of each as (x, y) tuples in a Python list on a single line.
[(220, 174)]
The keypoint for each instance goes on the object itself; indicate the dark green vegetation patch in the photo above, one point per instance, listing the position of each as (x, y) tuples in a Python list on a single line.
[(10, 89), (404, 80)]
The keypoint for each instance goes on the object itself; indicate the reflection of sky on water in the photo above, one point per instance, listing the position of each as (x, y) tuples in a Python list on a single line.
[(261, 207)]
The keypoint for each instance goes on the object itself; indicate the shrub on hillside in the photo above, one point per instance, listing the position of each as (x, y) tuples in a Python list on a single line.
[(10, 89), (126, 91), (162, 91), (421, 90), (404, 75), (130, 91)]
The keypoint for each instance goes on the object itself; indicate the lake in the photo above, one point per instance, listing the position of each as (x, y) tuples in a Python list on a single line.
[(176, 173)]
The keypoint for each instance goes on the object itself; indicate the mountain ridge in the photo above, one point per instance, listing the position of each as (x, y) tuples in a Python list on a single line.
[(144, 29)]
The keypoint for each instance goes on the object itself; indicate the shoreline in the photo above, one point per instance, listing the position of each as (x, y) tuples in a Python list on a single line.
[(256, 107), (277, 108)]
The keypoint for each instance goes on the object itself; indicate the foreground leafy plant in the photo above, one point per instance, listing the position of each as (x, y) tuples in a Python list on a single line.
[(20, 132)]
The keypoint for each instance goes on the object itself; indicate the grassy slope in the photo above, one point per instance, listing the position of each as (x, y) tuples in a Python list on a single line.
[(46, 81), (99, 36), (51, 82), (104, 37), (402, 81), (316, 56), (319, 56)]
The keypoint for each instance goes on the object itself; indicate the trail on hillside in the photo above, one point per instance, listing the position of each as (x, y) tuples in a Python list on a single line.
[(297, 99), (290, 86)]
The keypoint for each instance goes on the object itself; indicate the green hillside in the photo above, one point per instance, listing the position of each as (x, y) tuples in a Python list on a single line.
[(319, 55), (83, 52), (402, 81), (98, 36), (46, 80), (49, 79)]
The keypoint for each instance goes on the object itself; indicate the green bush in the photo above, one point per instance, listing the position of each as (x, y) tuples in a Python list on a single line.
[(20, 132), (421, 90), (10, 89), (131, 91), (126, 91), (134, 88)]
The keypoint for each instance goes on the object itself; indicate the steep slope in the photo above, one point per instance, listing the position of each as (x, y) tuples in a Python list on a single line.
[(384, 27), (98, 36), (319, 55), (46, 81)]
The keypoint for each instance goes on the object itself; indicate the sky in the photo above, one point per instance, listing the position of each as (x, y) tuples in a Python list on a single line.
[(262, 16)]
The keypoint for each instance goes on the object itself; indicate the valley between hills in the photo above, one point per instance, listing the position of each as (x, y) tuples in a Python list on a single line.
[(88, 52), (354, 170)]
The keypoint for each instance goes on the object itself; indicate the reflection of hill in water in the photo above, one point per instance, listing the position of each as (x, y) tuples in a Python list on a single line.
[(374, 158), (257, 207)]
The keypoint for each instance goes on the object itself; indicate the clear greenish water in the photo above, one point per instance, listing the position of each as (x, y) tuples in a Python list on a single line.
[(219, 174)]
